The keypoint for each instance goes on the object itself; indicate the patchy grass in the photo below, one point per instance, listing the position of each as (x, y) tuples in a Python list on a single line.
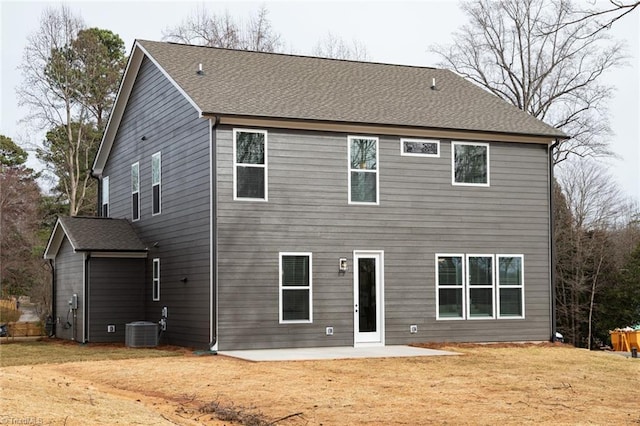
[(48, 351), (488, 384), (8, 315)]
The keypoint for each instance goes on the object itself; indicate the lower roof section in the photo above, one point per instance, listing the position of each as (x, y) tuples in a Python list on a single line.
[(112, 237)]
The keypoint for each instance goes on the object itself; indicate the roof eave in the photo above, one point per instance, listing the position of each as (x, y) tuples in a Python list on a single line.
[(119, 105), (391, 129), (55, 241), (102, 250), (138, 52)]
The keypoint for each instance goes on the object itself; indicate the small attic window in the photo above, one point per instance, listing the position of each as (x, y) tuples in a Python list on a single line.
[(420, 147)]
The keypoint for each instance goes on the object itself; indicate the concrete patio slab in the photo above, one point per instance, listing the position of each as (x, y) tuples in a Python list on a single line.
[(343, 352)]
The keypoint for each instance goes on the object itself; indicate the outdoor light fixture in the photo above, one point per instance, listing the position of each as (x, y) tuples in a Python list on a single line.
[(343, 264)]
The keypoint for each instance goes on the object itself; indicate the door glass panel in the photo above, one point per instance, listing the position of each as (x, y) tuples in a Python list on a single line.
[(367, 295)]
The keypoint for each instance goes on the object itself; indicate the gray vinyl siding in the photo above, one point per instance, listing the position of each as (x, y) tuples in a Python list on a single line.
[(179, 235), (69, 270), (420, 214), (116, 296)]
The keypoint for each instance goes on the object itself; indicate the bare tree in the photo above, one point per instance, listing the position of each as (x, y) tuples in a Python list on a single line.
[(259, 35), (606, 16), (19, 221), (49, 84), (70, 76), (595, 210), (524, 52), (332, 46), (595, 200), (206, 28), (50, 94)]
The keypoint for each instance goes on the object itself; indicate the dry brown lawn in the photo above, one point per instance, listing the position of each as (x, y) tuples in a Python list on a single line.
[(506, 384)]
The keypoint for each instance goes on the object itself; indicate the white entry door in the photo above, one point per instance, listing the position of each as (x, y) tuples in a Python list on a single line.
[(368, 298)]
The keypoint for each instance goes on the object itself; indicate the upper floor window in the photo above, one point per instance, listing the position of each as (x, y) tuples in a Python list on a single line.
[(135, 191), (420, 147), (363, 170), (250, 165), (470, 163), (295, 287), (156, 181), (105, 196)]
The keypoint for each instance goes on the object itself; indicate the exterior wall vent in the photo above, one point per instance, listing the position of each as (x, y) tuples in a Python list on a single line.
[(141, 334)]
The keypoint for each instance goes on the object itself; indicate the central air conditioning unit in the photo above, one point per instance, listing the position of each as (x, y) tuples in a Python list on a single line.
[(141, 334)]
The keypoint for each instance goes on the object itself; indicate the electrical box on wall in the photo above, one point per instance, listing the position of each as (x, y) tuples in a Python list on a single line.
[(329, 331), (111, 328), (413, 328), (73, 302)]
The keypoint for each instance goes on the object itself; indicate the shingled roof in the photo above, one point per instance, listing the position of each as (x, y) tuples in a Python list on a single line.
[(236, 82), (95, 234), (272, 86)]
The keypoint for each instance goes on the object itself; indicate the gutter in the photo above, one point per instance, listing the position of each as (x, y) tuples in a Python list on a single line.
[(552, 243), (98, 192), (85, 300), (54, 318), (407, 130), (213, 234)]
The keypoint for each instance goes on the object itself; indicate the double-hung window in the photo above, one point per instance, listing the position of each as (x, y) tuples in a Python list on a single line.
[(105, 196), (480, 286), (363, 170), (156, 181), (470, 163), (135, 191), (450, 286), (295, 288), (155, 282), (250, 165), (510, 286)]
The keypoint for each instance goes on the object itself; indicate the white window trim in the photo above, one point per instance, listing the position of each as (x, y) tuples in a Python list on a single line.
[(492, 286), (453, 164), (417, 154), (281, 288), (159, 183), (376, 171), (466, 287), (155, 281), (498, 287), (462, 287), (136, 164), (265, 166), (105, 196)]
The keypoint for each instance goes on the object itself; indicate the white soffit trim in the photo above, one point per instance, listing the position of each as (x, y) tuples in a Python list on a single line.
[(55, 241), (168, 77), (122, 99), (113, 124), (118, 254)]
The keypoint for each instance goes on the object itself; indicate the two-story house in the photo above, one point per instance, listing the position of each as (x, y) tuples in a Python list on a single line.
[(292, 201)]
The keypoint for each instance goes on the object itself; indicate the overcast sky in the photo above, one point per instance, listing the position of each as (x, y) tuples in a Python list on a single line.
[(392, 31)]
